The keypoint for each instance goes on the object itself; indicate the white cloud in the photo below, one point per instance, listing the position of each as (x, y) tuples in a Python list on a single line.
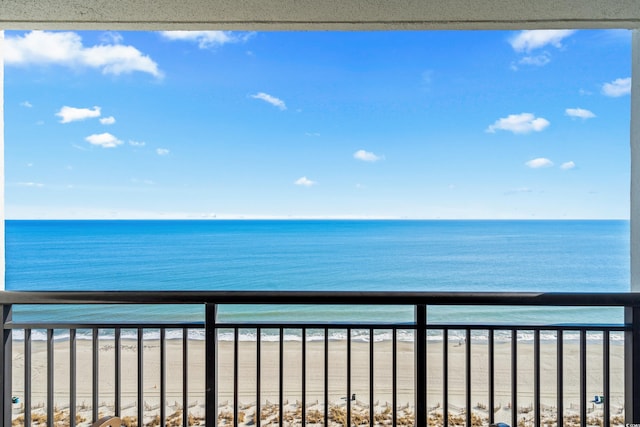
[(72, 114), (26, 104), (31, 184), (118, 59), (580, 113), (104, 140), (162, 152), (567, 165), (528, 40), (67, 49), (108, 120), (540, 162), (305, 182), (276, 102), (366, 156), (518, 191), (537, 60), (519, 123), (618, 87), (207, 39), (111, 37), (137, 143)]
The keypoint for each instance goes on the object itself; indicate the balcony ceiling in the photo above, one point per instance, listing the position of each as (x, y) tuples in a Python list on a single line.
[(317, 14)]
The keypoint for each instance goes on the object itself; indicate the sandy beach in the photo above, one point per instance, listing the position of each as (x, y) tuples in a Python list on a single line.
[(337, 385)]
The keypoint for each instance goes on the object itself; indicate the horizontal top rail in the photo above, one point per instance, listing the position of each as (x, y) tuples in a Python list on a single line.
[(45, 324), (617, 327), (624, 299)]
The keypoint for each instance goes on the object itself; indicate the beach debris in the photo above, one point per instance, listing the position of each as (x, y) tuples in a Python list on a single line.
[(175, 419), (338, 415), (226, 417), (315, 417), (60, 418), (353, 397)]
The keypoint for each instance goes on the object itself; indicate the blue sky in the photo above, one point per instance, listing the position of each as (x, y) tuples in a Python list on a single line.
[(475, 124)]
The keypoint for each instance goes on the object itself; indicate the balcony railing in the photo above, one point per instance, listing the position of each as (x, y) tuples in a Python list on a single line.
[(382, 372)]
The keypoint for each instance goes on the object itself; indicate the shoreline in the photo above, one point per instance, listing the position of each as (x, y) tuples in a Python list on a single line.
[(314, 335)]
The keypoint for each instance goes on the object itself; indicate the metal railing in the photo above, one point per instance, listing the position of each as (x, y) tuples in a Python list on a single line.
[(432, 362)]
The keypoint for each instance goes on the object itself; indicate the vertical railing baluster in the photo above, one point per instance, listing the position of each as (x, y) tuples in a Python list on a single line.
[(281, 378), (211, 365), (631, 366), (560, 377), (72, 377), (50, 370), (258, 420), (468, 374), (326, 376), (394, 379), (27, 377), (304, 376), (514, 377), (140, 376), (536, 376), (445, 377), (163, 378), (236, 355), (185, 377), (117, 371), (371, 376), (421, 364), (491, 357), (6, 356), (583, 377), (606, 386), (349, 332), (95, 375)]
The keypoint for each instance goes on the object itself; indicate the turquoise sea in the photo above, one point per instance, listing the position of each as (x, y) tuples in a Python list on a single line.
[(328, 255)]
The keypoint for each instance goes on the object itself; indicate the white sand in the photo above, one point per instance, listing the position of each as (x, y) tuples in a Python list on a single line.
[(292, 384)]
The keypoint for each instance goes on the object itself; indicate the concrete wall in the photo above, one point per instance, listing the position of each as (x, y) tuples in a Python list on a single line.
[(318, 14)]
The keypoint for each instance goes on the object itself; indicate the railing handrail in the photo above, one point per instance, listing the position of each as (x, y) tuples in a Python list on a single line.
[(560, 299), (211, 300)]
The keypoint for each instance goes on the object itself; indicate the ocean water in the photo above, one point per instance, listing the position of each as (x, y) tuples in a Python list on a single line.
[(332, 255)]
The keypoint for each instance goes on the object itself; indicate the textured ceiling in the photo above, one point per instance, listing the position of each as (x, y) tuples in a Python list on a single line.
[(318, 14)]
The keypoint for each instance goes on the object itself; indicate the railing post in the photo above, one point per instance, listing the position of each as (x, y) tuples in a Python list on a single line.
[(211, 366), (421, 365), (6, 354), (632, 365)]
